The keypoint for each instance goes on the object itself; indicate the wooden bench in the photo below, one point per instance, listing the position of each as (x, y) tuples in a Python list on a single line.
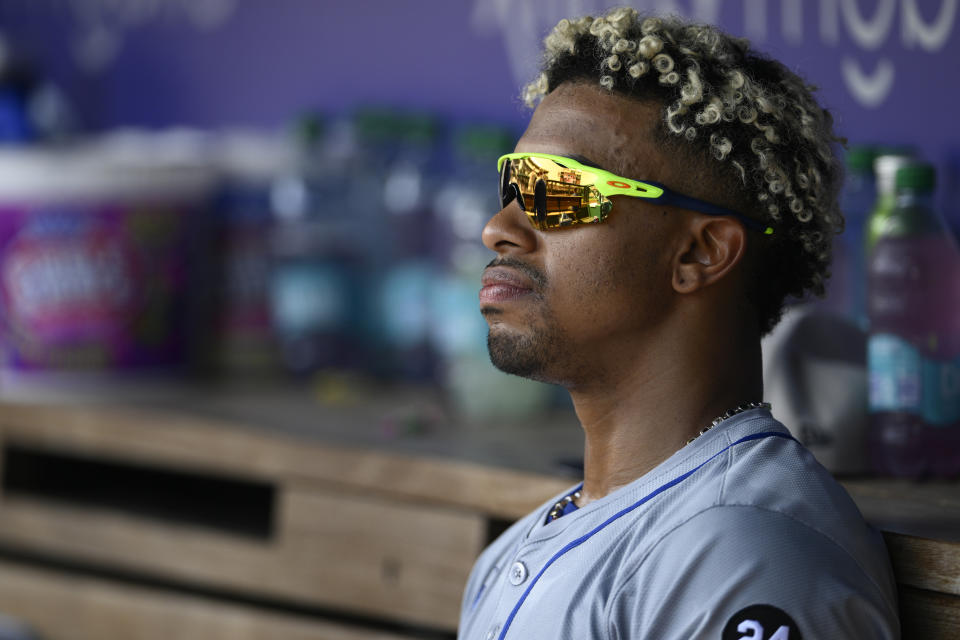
[(117, 522)]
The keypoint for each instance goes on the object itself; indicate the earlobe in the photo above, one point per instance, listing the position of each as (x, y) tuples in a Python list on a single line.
[(712, 248)]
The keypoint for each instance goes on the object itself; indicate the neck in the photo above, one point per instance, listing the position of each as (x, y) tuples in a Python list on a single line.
[(638, 416)]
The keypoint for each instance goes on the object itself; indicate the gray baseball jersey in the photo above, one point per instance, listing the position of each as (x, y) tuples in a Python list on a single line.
[(740, 535)]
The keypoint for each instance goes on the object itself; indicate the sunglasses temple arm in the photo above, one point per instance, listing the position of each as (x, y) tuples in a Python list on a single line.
[(693, 204)]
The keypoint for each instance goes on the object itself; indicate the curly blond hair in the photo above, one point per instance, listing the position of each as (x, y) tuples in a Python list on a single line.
[(747, 120)]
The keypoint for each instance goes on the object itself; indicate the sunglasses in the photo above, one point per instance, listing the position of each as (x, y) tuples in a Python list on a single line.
[(556, 192)]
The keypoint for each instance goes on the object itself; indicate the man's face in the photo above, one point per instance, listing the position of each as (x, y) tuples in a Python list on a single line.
[(573, 306)]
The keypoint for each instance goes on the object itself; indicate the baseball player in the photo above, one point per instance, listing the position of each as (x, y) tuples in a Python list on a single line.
[(713, 184)]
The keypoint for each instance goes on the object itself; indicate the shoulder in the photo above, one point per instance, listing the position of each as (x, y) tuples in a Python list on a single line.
[(756, 537), (736, 558), (771, 529), (780, 477)]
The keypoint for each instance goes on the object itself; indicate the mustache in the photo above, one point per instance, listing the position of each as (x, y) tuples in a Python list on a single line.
[(531, 272)]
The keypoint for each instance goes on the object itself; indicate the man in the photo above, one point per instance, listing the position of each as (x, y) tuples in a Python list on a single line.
[(714, 187)]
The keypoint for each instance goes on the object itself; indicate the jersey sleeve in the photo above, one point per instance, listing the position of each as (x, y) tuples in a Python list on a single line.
[(747, 573)]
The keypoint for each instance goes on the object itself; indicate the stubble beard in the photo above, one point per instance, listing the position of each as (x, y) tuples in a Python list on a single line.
[(531, 355)]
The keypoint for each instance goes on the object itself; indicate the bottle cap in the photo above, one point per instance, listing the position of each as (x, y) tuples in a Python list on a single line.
[(382, 124), (309, 127), (419, 128), (376, 124), (484, 141), (885, 167), (860, 158), (918, 176)]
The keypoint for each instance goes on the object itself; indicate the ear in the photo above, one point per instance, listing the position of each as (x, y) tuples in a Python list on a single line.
[(711, 248)]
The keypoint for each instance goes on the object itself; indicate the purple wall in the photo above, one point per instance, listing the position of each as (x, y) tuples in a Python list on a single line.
[(887, 67)]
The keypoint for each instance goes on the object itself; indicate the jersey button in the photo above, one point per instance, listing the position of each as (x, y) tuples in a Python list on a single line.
[(518, 573), (494, 630)]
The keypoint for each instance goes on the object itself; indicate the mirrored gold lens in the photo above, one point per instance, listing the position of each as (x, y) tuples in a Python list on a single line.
[(555, 196)]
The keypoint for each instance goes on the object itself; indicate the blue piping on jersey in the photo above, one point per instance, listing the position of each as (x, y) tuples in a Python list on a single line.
[(616, 516), (483, 588)]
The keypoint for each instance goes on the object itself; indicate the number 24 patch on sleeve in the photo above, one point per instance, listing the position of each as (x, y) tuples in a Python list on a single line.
[(761, 622)]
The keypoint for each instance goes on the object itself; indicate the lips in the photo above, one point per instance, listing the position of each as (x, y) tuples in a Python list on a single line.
[(502, 284)]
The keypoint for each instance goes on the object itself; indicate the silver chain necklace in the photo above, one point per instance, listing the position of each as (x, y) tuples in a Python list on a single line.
[(729, 414), (558, 508)]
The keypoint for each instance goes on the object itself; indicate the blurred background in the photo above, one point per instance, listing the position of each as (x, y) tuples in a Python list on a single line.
[(230, 187), (199, 195)]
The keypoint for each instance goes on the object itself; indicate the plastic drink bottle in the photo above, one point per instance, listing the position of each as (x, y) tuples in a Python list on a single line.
[(249, 162), (949, 193), (848, 285), (313, 290), (885, 168), (398, 296), (913, 353)]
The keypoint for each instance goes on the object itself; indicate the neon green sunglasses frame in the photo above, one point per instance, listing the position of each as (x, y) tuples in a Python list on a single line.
[(609, 184)]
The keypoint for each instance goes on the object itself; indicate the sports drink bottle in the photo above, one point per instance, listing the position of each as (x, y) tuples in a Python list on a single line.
[(949, 193), (847, 290), (913, 353), (313, 288), (885, 168), (404, 149)]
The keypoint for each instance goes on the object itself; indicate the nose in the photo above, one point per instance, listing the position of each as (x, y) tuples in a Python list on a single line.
[(509, 231)]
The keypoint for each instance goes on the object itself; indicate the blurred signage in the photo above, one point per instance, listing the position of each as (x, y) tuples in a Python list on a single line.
[(864, 36)]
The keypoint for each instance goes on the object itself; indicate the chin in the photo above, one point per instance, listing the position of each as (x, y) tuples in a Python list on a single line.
[(521, 355)]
